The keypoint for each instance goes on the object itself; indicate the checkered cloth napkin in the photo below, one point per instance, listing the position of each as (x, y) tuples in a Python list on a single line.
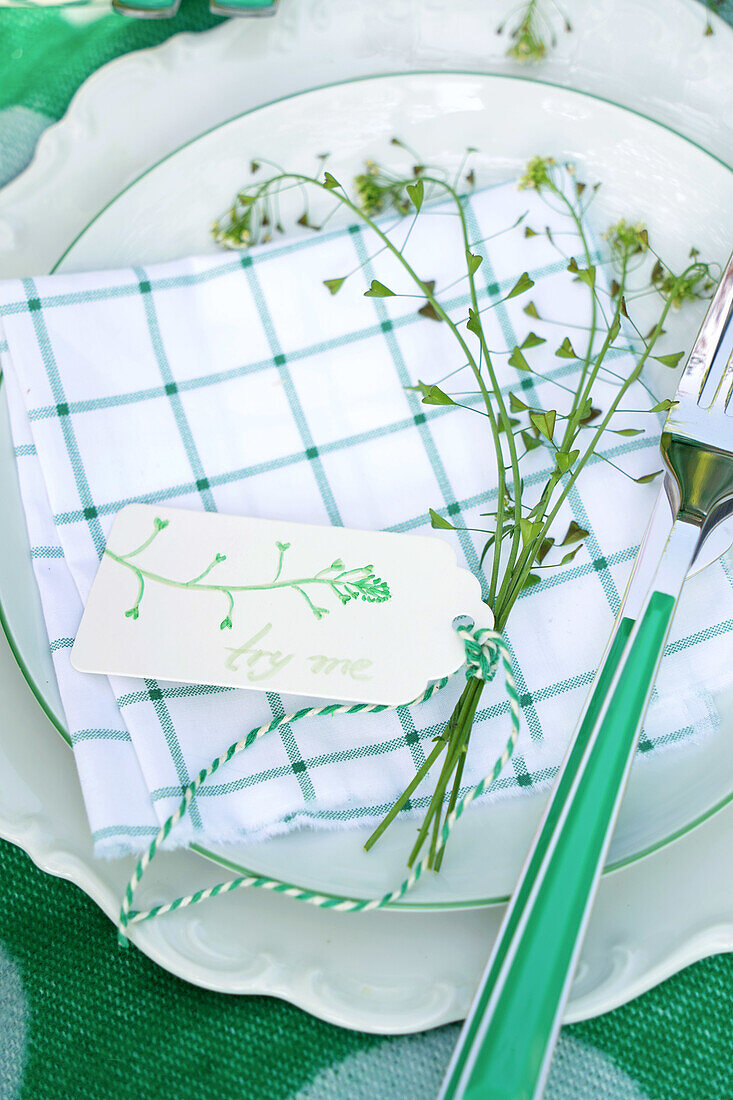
[(238, 383)]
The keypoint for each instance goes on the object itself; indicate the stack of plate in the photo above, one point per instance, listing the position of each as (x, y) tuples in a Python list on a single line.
[(660, 906)]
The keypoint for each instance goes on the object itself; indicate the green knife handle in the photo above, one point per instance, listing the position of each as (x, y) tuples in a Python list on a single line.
[(243, 7), (146, 9), (504, 1050)]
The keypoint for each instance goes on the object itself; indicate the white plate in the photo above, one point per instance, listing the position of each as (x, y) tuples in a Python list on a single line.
[(449, 972), (681, 192)]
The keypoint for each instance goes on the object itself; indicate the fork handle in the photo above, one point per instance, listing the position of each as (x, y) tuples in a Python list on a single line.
[(506, 1044)]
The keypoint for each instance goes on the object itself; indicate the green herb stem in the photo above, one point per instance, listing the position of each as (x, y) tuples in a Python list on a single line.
[(412, 786)]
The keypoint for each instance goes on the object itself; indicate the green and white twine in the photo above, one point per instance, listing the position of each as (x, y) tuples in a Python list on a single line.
[(484, 648)]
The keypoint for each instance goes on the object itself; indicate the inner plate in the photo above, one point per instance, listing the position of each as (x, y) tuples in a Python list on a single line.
[(683, 194)]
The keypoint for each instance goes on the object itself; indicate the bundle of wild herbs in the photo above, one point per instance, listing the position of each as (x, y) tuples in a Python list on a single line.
[(533, 27), (522, 541)]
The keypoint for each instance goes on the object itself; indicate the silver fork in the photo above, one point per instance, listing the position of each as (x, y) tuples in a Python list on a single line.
[(505, 1047)]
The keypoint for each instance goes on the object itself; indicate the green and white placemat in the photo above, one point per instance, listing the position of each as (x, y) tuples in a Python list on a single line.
[(80, 1018)]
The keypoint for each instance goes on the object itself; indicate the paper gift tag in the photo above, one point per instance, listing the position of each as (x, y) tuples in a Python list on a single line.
[(198, 597)]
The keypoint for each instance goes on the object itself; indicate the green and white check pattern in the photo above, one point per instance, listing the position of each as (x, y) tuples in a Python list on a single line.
[(237, 383)]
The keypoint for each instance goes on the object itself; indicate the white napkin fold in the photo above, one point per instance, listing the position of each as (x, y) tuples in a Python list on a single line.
[(239, 384)]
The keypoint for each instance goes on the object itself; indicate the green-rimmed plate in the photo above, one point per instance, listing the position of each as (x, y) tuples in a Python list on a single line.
[(681, 192)]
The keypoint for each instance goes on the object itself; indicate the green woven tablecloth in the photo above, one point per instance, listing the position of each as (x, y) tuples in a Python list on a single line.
[(81, 1019)]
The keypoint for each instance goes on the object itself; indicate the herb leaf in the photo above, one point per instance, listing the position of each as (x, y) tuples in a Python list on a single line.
[(569, 556), (587, 275), (429, 311), (565, 460), (474, 262), (545, 547), (664, 406), (473, 324), (574, 533), (565, 351), (416, 191), (523, 283), (378, 290), (531, 442), (438, 523), (516, 404), (544, 422), (647, 477), (431, 395), (517, 360), (530, 529), (669, 360)]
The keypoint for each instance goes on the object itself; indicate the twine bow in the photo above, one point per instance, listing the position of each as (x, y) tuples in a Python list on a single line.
[(484, 649), (482, 652)]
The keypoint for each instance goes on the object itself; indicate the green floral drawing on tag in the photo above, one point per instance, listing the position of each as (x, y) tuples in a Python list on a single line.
[(360, 583)]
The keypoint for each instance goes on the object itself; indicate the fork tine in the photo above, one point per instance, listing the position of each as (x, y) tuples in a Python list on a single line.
[(724, 391), (717, 380), (708, 339)]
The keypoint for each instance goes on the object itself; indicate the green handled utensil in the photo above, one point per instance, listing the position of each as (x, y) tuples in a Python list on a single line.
[(166, 9), (505, 1047)]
